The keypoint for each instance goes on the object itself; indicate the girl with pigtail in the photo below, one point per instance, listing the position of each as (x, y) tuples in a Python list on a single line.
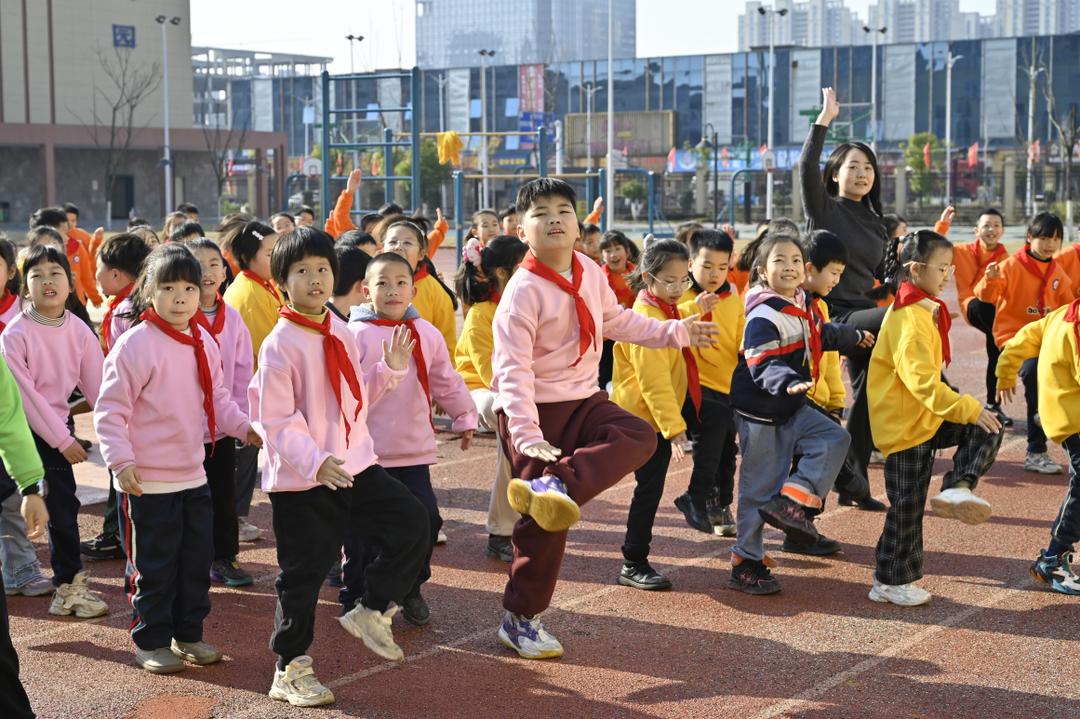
[(484, 272)]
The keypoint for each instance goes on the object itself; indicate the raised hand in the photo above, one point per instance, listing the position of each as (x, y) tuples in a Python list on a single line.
[(439, 216), (396, 354), (948, 215), (830, 108), (731, 231), (993, 270), (354, 181), (598, 205)]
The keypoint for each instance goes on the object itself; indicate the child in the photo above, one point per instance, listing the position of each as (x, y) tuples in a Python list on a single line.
[(361, 239), (78, 256), (184, 232), (481, 282), (9, 276), (20, 462), (50, 352), (121, 259), (509, 221), (615, 249), (565, 440), (283, 222), (400, 423), (710, 255), (90, 242), (255, 297), (172, 221), (778, 363), (1026, 287), (349, 282), (188, 210), (826, 258), (305, 216), (971, 259), (405, 238), (661, 386), (224, 324), (1053, 339), (588, 243), (486, 225), (152, 422), (913, 414), (309, 401)]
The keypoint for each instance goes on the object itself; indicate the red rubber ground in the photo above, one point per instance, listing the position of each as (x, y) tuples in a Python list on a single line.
[(992, 643)]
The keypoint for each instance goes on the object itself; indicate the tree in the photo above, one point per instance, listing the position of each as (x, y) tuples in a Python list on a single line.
[(219, 142), (636, 193), (1068, 132), (914, 152), (113, 128)]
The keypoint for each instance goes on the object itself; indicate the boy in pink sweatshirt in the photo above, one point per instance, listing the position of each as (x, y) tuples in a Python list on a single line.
[(50, 352), (309, 401), (162, 387), (566, 441), (400, 423)]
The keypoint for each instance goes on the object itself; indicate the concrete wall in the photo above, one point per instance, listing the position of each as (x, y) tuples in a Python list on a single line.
[(20, 185)]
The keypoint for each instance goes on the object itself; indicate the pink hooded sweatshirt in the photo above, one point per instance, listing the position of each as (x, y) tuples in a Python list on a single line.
[(537, 339), (49, 362), (294, 410), (150, 412), (400, 423)]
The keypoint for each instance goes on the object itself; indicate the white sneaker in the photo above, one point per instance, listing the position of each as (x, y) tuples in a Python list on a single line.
[(527, 636), (960, 503), (904, 595), (298, 685), (877, 457), (248, 531), (374, 629), (1041, 463), (36, 587), (76, 598), (441, 537), (196, 652)]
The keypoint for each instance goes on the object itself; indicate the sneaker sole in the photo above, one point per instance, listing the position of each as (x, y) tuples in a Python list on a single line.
[(352, 629), (724, 530), (16, 591), (809, 550), (160, 670), (1039, 470), (739, 587), (552, 654), (1055, 585), (300, 700), (875, 597), (494, 554), (192, 659), (416, 622), (553, 511), (971, 511), (793, 533), (626, 582), (111, 554), (80, 613)]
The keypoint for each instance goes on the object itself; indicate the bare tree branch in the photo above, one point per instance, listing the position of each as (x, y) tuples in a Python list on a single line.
[(218, 143)]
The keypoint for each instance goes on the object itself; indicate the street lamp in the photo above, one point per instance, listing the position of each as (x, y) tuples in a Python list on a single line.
[(952, 59), (352, 39), (772, 85), (873, 85), (1033, 76), (714, 146), (442, 80), (166, 161), (484, 54)]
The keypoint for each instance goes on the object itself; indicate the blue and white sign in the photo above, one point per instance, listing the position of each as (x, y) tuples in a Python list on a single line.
[(123, 35)]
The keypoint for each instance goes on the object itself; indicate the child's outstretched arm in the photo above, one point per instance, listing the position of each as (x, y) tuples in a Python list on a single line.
[(1024, 345), (623, 325), (837, 337)]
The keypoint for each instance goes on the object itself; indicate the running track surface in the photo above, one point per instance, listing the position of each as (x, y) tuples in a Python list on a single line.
[(992, 643)]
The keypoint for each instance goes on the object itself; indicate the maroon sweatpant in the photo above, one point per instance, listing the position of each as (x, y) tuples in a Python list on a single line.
[(601, 443)]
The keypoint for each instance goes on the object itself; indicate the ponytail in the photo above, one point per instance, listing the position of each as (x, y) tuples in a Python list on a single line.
[(476, 278), (891, 270)]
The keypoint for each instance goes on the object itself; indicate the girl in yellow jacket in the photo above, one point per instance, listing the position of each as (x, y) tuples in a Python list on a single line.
[(1053, 340), (662, 387), (913, 413), (481, 279)]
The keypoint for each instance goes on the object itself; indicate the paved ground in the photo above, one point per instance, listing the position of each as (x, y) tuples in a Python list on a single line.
[(992, 643)]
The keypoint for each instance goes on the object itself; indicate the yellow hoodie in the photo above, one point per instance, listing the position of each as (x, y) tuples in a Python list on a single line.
[(829, 392), (651, 383), (435, 306), (1053, 341), (908, 401), (717, 363), (473, 356), (256, 306)]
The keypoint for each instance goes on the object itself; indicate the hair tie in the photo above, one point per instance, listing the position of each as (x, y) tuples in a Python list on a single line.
[(649, 239), (473, 252), (257, 235)]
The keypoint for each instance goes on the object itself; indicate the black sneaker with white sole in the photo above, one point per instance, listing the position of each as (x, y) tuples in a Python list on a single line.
[(103, 546)]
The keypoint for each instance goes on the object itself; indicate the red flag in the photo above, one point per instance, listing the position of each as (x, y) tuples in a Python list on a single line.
[(764, 148), (375, 165), (671, 160), (340, 167), (973, 155), (1033, 152), (926, 155), (724, 155)]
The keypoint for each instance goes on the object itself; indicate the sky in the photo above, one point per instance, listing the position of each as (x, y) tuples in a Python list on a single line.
[(319, 27)]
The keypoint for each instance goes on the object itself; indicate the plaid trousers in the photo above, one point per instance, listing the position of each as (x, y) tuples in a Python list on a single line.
[(907, 482)]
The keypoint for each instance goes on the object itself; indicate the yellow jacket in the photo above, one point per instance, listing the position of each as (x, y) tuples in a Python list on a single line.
[(1052, 340), (651, 383), (829, 391), (473, 356), (434, 305), (908, 401), (256, 306), (716, 364)]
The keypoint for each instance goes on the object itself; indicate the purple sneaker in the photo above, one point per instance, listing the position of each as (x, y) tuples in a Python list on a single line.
[(546, 501), (526, 636)]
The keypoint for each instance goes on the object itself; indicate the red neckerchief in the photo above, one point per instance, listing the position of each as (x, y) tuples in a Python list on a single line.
[(1030, 264), (195, 340), (421, 272), (496, 297), (268, 286), (5, 304), (1072, 316), (338, 364), (909, 294), (72, 246), (114, 302), (998, 251), (587, 327), (811, 318), (219, 319), (625, 294), (418, 353), (693, 380)]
